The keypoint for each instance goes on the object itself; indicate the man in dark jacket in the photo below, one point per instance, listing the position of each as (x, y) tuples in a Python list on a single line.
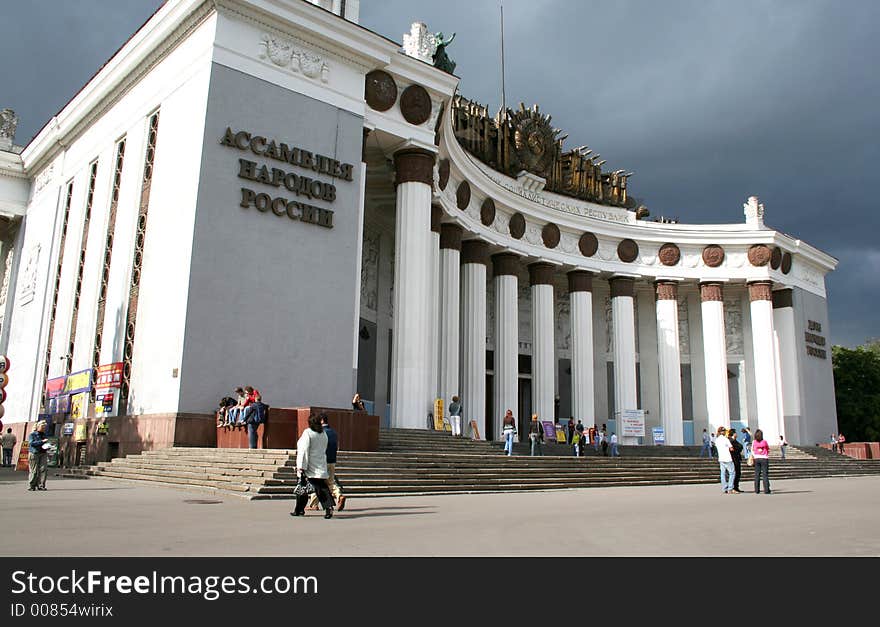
[(332, 483), (38, 457)]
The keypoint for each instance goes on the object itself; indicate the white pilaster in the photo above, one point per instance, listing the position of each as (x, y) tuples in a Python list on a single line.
[(715, 355), (433, 337), (624, 343), (409, 361), (506, 338), (784, 326), (764, 347), (669, 362), (473, 336), (543, 347), (581, 303)]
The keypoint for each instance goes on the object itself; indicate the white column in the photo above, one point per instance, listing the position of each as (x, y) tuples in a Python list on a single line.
[(764, 348), (715, 354), (783, 325), (624, 346), (450, 260), (669, 362), (580, 294), (474, 255), (543, 347), (409, 361), (504, 272), (433, 338)]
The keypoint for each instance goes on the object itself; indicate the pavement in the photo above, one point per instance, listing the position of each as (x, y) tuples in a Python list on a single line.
[(102, 517)]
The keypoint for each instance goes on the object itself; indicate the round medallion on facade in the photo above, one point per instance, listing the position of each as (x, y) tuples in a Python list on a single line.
[(713, 255), (550, 235), (487, 212), (415, 104), (786, 263), (776, 258), (669, 254), (517, 226), (380, 90), (627, 250), (759, 255), (443, 168), (463, 195), (588, 244)]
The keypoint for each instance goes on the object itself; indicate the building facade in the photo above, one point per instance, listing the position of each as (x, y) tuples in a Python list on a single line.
[(273, 195)]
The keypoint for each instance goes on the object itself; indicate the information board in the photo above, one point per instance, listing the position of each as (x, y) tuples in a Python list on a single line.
[(549, 430), (633, 423), (659, 435)]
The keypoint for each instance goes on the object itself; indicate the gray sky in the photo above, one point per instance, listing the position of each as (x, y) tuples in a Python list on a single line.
[(708, 101)]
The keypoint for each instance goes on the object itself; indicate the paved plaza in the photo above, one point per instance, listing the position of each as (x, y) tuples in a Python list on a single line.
[(99, 517)]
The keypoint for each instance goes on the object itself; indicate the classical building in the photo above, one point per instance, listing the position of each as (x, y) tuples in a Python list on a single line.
[(271, 194)]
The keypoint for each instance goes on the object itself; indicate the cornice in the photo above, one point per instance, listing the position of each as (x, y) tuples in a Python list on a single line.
[(170, 25)]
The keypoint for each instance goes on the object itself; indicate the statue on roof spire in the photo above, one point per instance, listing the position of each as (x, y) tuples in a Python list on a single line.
[(441, 59)]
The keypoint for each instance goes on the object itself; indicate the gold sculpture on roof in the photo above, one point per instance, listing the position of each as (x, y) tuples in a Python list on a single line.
[(524, 140)]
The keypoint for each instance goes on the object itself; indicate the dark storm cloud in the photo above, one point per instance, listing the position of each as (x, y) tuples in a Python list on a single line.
[(708, 101)]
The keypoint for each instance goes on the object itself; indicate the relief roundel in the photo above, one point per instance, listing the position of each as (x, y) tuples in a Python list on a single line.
[(517, 226), (550, 235), (713, 255), (534, 141), (627, 250), (415, 104), (669, 254), (786, 263), (776, 258), (759, 255), (487, 212), (463, 195), (588, 244), (380, 90), (444, 173)]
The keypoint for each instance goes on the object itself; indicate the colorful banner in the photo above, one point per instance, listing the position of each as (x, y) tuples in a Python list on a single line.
[(79, 405), (632, 423), (561, 436), (22, 463), (55, 387), (438, 414), (549, 430), (108, 376), (78, 382)]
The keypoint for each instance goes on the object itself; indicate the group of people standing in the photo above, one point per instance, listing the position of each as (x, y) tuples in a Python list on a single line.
[(837, 442), (730, 457)]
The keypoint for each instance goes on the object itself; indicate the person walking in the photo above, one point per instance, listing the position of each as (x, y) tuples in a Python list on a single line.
[(536, 436), (833, 442), (311, 466), (725, 460), (332, 483), (707, 448), (455, 417), (840, 442), (596, 439), (603, 442), (761, 453), (8, 442), (736, 454), (508, 431), (38, 457), (782, 446), (747, 442), (614, 451)]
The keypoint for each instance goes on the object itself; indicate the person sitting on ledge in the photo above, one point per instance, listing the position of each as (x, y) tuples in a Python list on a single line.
[(224, 408), (233, 414), (246, 415), (357, 404)]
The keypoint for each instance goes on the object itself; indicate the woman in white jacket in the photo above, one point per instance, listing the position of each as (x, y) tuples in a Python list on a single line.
[(311, 463)]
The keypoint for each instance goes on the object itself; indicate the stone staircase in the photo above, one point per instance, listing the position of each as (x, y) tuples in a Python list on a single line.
[(413, 462)]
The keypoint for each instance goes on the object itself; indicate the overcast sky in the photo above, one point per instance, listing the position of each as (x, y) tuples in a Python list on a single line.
[(708, 101)]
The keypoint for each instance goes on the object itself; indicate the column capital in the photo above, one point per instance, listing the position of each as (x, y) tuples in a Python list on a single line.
[(436, 216), (760, 290), (622, 286), (782, 298), (711, 291), (580, 281), (666, 290), (541, 273), (414, 165), (475, 251), (450, 236), (504, 264)]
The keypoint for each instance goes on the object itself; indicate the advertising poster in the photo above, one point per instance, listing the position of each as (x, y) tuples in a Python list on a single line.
[(55, 387), (108, 380), (438, 414), (22, 463), (79, 404), (659, 435), (79, 432), (561, 436), (633, 423), (67, 429), (78, 382), (549, 430)]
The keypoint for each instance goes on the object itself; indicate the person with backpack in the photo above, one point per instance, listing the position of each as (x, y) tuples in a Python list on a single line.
[(332, 482)]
